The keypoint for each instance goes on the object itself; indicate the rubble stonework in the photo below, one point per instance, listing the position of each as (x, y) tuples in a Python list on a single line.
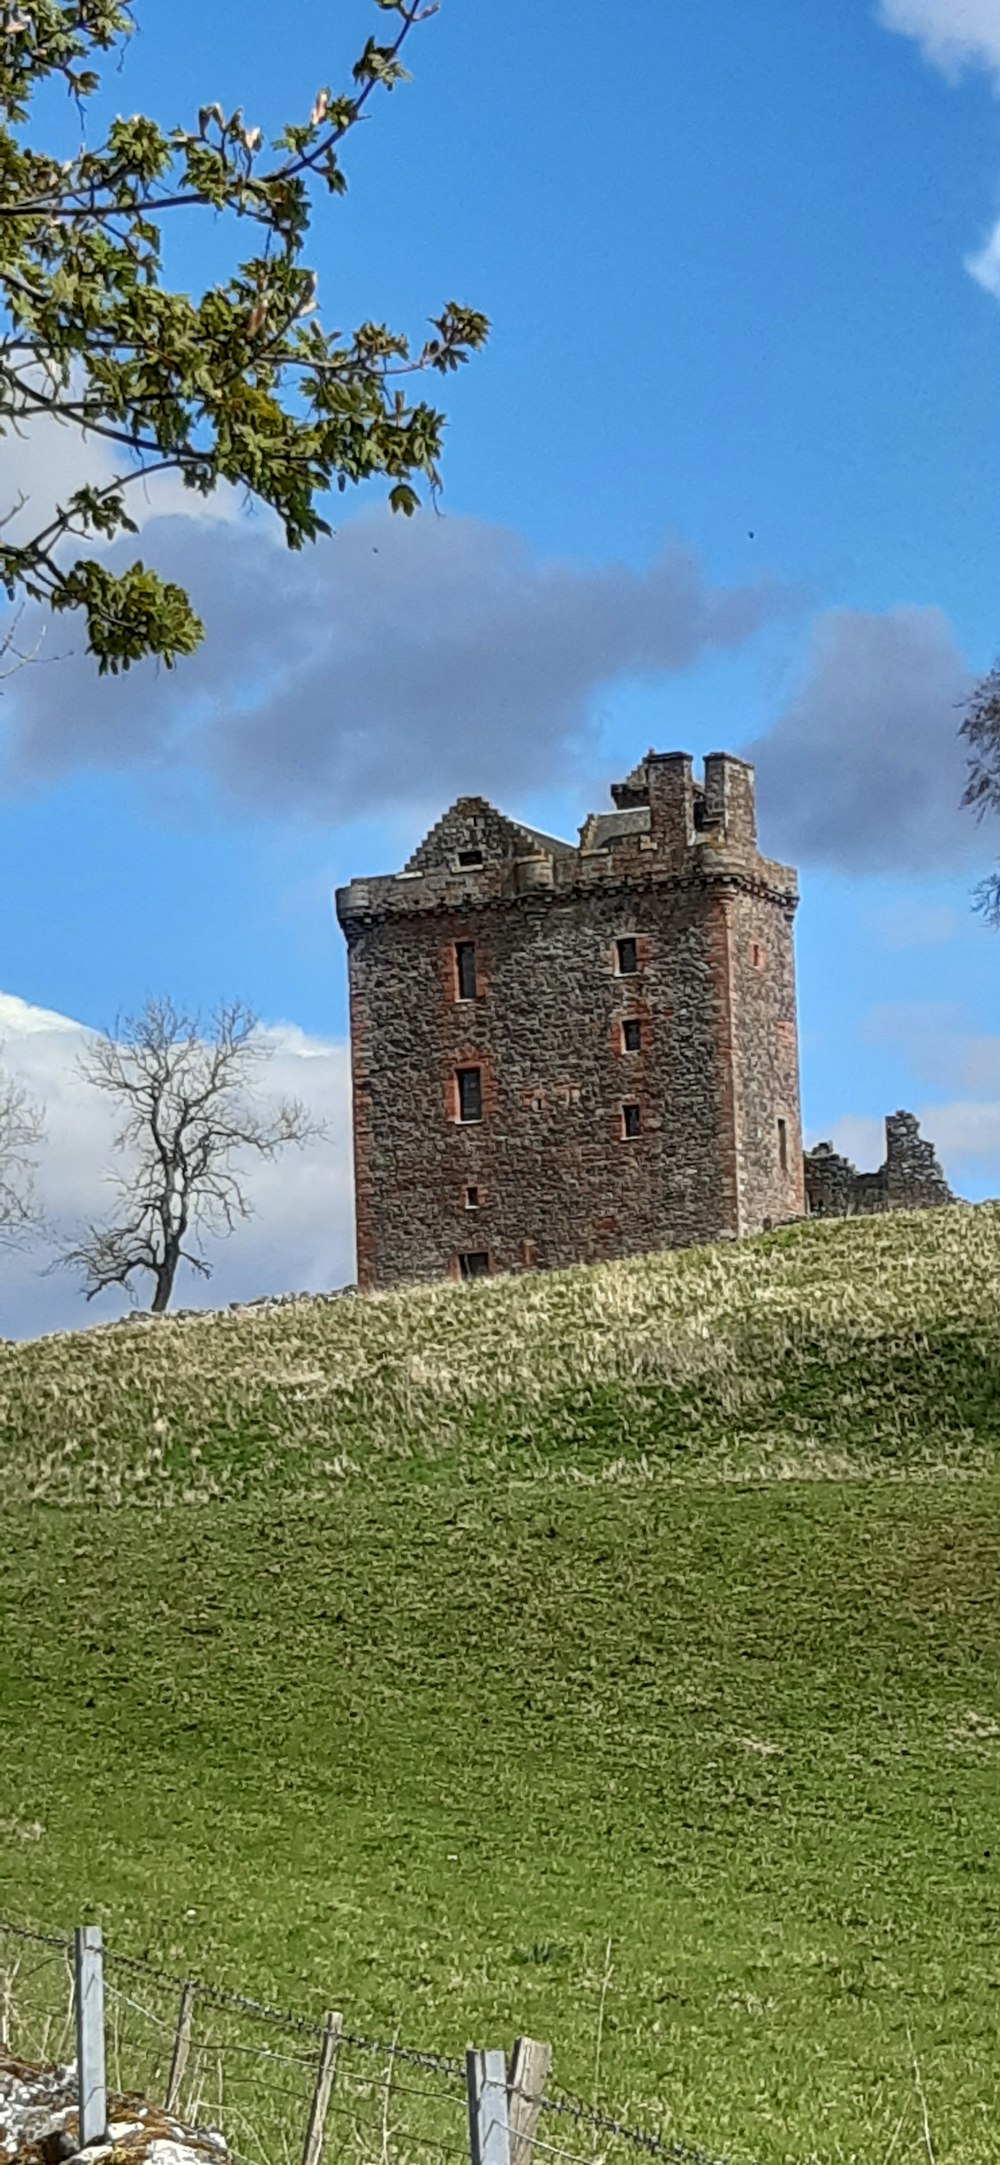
[(549, 1174), (910, 1178), (39, 2124)]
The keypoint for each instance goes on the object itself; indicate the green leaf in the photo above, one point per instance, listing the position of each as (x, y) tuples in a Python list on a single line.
[(242, 383)]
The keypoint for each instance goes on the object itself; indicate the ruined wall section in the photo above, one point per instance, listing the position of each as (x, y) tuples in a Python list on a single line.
[(913, 1178), (910, 1177)]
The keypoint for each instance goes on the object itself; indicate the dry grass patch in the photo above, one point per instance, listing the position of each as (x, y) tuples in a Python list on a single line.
[(823, 1349)]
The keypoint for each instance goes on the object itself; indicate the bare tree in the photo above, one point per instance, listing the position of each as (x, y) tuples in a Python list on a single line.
[(22, 1130), (189, 1118), (981, 729)]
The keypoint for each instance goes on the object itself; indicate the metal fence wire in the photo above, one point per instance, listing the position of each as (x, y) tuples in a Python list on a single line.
[(216, 2059), (37, 1991)]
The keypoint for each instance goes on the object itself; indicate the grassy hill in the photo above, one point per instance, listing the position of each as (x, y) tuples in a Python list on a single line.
[(479, 1626), (866, 1346)]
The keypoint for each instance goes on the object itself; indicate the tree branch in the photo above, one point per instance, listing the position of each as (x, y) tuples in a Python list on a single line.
[(188, 1116)]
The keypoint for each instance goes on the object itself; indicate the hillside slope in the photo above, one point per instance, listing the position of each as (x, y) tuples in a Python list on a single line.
[(614, 1652), (850, 1347)]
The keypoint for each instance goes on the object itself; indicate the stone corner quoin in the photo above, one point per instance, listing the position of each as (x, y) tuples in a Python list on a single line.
[(566, 1052)]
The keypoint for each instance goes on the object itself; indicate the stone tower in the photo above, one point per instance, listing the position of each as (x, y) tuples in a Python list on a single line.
[(564, 1052)]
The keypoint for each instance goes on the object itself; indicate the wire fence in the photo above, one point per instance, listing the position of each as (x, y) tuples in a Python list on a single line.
[(216, 2059)]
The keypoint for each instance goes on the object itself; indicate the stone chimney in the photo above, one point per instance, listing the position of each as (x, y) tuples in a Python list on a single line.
[(671, 807), (729, 808)]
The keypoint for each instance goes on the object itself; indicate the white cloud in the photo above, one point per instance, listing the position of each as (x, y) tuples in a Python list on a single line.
[(955, 35), (970, 1132), (45, 460), (300, 1239), (952, 33), (44, 463), (857, 1136), (984, 265), (16, 1016)]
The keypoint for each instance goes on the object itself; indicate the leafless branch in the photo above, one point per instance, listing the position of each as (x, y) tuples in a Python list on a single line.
[(22, 1131), (13, 656), (981, 730), (189, 1119)]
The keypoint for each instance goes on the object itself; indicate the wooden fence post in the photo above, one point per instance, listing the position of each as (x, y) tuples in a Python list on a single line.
[(486, 2087), (89, 1974), (321, 2095), (526, 2079), (182, 2042)]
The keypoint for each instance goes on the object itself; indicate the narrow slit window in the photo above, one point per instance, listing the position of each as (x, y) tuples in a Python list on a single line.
[(470, 1093), (476, 1265), (783, 1145), (472, 1198), (756, 956), (631, 1121), (465, 968), (627, 952), (631, 1034)]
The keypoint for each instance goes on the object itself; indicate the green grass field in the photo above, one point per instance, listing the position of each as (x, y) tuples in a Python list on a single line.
[(656, 1603)]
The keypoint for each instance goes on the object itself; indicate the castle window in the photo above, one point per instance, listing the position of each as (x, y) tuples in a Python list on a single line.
[(756, 955), (470, 857), (465, 969), (472, 1198), (470, 1093), (631, 1034), (476, 1265), (631, 1121), (627, 954), (783, 1145)]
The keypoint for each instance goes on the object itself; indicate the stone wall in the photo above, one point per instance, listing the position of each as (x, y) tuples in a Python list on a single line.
[(549, 1176), (909, 1179), (548, 1160), (765, 1061)]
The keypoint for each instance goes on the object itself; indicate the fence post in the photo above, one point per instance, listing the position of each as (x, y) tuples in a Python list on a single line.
[(321, 2095), (526, 2079), (182, 2041), (89, 1973), (486, 2086)]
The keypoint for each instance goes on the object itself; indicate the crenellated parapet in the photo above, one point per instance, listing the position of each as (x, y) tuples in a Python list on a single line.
[(667, 826)]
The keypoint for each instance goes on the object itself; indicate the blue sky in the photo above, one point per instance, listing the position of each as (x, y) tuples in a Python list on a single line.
[(726, 252)]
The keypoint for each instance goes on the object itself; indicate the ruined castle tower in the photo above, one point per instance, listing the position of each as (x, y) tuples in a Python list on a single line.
[(565, 1052)]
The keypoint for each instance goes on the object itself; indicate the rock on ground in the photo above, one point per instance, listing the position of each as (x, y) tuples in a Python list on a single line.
[(39, 2124)]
